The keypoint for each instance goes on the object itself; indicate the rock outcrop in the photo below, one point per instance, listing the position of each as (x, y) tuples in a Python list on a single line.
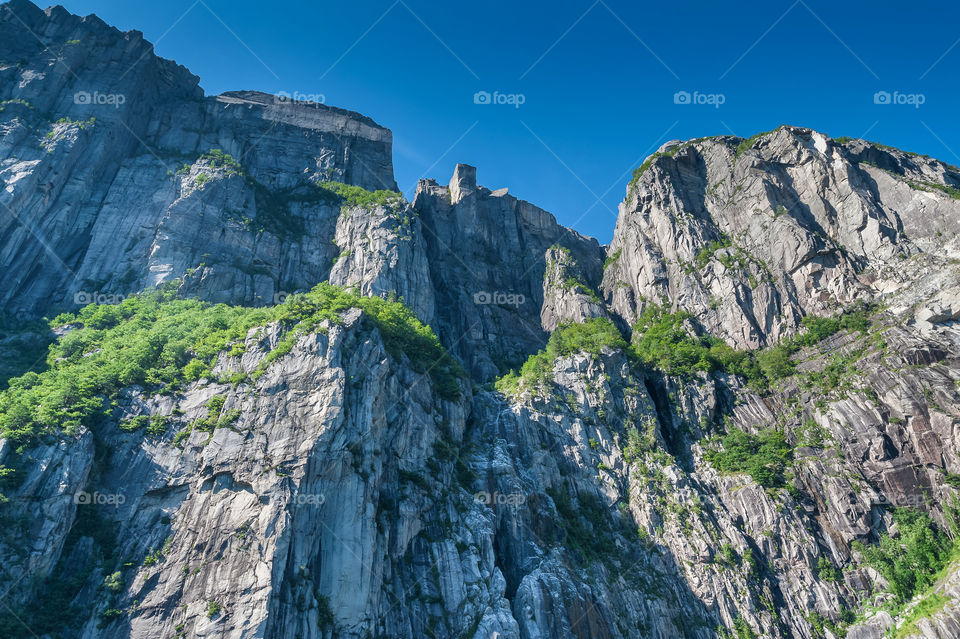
[(109, 186), (752, 235)]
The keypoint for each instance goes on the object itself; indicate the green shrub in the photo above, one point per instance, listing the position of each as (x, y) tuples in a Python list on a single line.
[(160, 342), (640, 170), (571, 283), (589, 337), (775, 362), (612, 259), (136, 423), (218, 159), (827, 571), (764, 456), (910, 561), (705, 254), (357, 196), (158, 425), (114, 582), (923, 609), (748, 143), (661, 340)]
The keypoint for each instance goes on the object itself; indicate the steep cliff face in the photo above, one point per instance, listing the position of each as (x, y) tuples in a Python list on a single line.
[(110, 187), (751, 235), (316, 470), (487, 265)]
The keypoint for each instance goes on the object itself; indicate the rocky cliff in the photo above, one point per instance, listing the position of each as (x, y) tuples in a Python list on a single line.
[(292, 413)]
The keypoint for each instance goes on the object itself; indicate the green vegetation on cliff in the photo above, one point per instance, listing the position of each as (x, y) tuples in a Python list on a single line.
[(590, 337), (911, 559), (357, 196), (667, 341), (160, 342), (764, 456)]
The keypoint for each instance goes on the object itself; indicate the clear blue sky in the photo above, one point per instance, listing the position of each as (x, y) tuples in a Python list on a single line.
[(597, 78)]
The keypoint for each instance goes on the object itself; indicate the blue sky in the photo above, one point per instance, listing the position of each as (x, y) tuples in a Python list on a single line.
[(597, 79)]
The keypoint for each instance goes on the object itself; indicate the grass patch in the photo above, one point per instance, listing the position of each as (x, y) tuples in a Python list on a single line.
[(667, 341), (705, 254), (748, 143), (911, 560), (921, 185), (924, 609), (640, 170)]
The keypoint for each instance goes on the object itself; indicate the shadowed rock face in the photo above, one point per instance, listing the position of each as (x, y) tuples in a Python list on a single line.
[(349, 498), (487, 262)]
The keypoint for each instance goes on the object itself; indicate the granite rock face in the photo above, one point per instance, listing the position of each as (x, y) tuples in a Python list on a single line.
[(341, 495), (488, 258), (752, 235), (107, 189)]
